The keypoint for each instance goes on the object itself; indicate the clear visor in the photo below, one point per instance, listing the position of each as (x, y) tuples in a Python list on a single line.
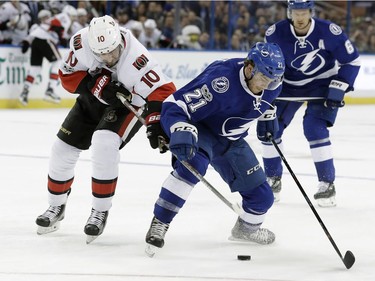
[(265, 82), (112, 57)]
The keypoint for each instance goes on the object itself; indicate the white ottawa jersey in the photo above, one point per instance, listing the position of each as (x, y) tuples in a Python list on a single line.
[(136, 70)]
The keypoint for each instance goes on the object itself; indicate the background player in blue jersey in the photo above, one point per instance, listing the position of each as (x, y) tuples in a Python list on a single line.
[(321, 66), (206, 122)]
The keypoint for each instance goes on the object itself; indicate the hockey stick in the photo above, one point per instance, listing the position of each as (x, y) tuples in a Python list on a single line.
[(299, 99), (349, 258), (235, 207)]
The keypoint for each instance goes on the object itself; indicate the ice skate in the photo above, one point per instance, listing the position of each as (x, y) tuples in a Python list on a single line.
[(49, 221), (95, 225), (23, 98), (242, 232), (50, 96), (275, 184), (155, 236), (326, 194)]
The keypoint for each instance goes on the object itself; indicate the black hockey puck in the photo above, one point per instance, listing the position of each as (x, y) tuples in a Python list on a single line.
[(243, 257)]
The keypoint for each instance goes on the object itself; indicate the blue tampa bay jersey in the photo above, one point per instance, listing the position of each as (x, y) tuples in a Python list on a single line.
[(313, 60), (219, 99)]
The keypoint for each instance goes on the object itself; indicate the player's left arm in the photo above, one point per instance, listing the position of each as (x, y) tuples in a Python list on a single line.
[(154, 131), (347, 57)]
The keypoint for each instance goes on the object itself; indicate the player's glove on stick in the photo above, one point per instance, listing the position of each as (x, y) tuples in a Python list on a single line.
[(106, 90), (267, 125), (336, 92), (183, 143), (155, 133)]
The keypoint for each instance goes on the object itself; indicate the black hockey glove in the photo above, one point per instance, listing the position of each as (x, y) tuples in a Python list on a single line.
[(106, 90), (4, 25), (24, 46), (155, 133)]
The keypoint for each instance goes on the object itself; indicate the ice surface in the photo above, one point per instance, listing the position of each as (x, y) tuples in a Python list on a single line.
[(196, 246)]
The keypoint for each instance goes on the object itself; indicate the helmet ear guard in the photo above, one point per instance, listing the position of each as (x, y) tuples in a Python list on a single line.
[(268, 59)]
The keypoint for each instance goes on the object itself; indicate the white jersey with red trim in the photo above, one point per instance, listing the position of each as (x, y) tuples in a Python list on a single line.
[(136, 69), (48, 29), (17, 16)]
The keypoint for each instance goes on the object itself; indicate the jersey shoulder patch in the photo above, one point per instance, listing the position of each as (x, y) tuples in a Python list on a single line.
[(335, 29), (271, 30), (77, 42)]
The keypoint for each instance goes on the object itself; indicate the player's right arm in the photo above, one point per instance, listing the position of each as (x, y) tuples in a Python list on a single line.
[(74, 69)]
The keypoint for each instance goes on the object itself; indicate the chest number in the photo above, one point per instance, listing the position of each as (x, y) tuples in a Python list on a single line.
[(198, 98)]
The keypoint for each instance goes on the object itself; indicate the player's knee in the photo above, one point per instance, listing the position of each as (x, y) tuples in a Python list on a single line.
[(63, 159), (259, 199), (314, 128), (199, 162), (105, 148)]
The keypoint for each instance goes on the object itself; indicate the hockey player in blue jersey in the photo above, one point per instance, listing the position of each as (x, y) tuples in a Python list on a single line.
[(321, 66), (206, 122)]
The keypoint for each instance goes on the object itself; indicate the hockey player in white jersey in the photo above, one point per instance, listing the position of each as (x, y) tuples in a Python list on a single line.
[(104, 61), (321, 67), (44, 39)]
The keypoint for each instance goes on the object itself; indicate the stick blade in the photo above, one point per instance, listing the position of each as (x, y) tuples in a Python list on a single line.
[(349, 259)]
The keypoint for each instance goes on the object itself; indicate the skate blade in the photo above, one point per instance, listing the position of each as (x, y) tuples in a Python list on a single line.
[(327, 202), (49, 99), (44, 230), (231, 238), (90, 238), (23, 102), (151, 250)]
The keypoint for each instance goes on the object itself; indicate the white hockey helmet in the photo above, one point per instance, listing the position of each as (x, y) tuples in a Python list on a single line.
[(70, 10), (104, 35), (44, 14)]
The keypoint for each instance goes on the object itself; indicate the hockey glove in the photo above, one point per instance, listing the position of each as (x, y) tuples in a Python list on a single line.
[(106, 90), (155, 133), (183, 143), (267, 125), (24, 46), (336, 92)]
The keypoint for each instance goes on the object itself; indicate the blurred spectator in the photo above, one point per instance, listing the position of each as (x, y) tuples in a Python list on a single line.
[(155, 11), (371, 43), (66, 18), (238, 41), (14, 22), (136, 28), (150, 36), (204, 40), (140, 11), (124, 16), (56, 6), (201, 11), (167, 31), (35, 7), (251, 40), (189, 38), (193, 19), (81, 21)]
